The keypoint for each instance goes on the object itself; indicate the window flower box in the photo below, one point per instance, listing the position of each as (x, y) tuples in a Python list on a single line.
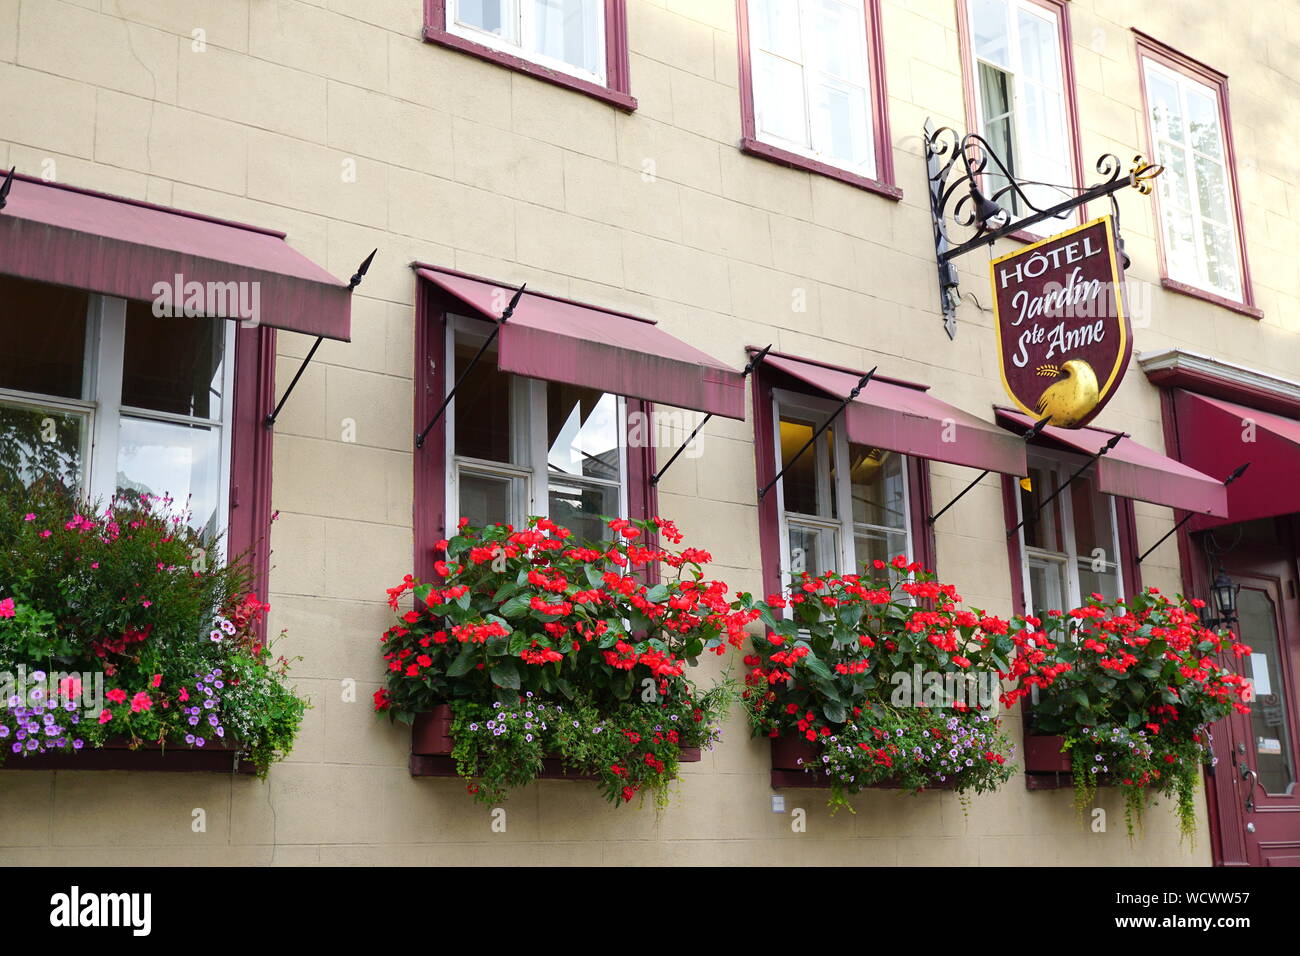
[(432, 745), (559, 660), (118, 754), (791, 756)]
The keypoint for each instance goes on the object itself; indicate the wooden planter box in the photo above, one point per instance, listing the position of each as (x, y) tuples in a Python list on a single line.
[(1047, 767), (116, 754), (431, 747), (788, 772)]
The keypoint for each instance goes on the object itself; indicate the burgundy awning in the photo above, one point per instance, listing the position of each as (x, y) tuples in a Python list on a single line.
[(123, 247), (562, 341), (900, 416), (1216, 436), (1132, 470)]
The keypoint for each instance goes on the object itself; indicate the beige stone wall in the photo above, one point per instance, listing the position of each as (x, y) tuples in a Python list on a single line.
[(469, 165)]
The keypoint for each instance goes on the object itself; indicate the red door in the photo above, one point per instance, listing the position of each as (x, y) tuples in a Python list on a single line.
[(1255, 790)]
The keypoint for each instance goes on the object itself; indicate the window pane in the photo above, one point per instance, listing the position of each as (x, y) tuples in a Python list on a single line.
[(871, 545), (1048, 587), (491, 499), (878, 487), (491, 16), (171, 461), (1040, 49), (483, 406), (1212, 189), (1221, 258), (570, 31), (779, 99), (1094, 527), (841, 124), (1203, 120), (805, 491), (583, 509), (774, 25), (989, 28), (1175, 187), (1180, 245), (1042, 528), (39, 445), (837, 40), (1268, 721), (1162, 98), (173, 364), (1095, 579), (815, 550), (44, 348), (582, 433)]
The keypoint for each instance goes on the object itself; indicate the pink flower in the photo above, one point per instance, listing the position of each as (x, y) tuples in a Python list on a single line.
[(46, 534), (105, 716), (157, 680), (7, 607), (146, 603), (116, 695), (184, 695), (141, 701), (94, 565), (29, 517)]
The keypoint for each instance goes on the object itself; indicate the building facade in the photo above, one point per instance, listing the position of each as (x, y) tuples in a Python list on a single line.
[(744, 173)]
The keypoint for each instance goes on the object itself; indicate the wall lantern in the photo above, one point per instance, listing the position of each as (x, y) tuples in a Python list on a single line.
[(1224, 594)]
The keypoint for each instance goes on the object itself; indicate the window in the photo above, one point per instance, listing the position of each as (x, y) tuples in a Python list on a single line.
[(1071, 547), (841, 504), (581, 44), (1200, 229), (1021, 77), (527, 447), (99, 396), (812, 88)]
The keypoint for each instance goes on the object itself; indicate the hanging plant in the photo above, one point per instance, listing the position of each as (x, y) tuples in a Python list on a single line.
[(1133, 688), (545, 647), (884, 680)]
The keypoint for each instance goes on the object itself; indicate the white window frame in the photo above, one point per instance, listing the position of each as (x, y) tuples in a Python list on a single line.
[(527, 32), (1181, 81), (1015, 73), (1063, 466), (528, 438), (870, 169), (101, 404), (787, 404)]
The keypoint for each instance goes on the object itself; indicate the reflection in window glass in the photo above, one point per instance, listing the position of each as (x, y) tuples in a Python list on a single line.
[(173, 365), (487, 499), (806, 488), (566, 32), (41, 447), (180, 464), (582, 431), (583, 508), (1268, 720), (483, 406), (44, 348), (813, 549)]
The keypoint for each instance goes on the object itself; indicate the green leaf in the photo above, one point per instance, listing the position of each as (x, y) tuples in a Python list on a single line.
[(835, 712), (657, 594), (506, 674), (464, 662), (515, 606)]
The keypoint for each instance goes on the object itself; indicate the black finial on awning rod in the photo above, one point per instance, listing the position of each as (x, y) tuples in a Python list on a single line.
[(496, 329), (857, 389), (361, 271), (753, 363), (1236, 473), (8, 185), (1028, 436)]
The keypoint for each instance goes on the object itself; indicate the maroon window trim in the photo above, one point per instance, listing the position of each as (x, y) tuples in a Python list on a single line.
[(769, 519), (251, 441), (1149, 47), (618, 88), (883, 184), (433, 305), (1126, 531), (970, 87)]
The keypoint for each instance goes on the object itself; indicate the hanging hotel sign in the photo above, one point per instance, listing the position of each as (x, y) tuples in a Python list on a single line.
[(1064, 338)]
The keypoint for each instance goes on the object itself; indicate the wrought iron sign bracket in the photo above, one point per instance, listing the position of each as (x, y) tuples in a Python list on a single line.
[(1237, 473), (1028, 436), (954, 165), (753, 363), (355, 281), (496, 329), (857, 390)]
